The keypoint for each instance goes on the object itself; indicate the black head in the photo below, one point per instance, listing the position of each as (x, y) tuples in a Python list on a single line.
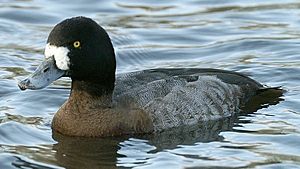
[(91, 54), (78, 48)]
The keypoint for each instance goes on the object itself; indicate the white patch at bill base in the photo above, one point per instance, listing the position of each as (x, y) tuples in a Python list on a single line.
[(60, 55)]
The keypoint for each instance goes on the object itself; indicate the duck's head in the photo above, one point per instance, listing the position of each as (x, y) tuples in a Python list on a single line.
[(78, 48)]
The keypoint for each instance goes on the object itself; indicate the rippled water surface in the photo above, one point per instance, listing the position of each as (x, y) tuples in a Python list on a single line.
[(258, 38)]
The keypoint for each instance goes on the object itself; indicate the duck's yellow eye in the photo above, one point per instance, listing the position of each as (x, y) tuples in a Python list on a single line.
[(76, 44)]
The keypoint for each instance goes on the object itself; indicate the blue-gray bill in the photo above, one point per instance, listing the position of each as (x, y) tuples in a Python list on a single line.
[(45, 74)]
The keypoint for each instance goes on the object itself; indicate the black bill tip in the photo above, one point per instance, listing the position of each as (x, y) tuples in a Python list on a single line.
[(23, 85)]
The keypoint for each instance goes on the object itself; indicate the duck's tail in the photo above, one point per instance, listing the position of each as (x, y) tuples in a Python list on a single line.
[(264, 97), (270, 90)]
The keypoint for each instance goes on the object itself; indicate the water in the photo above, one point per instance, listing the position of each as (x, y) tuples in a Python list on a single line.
[(258, 38)]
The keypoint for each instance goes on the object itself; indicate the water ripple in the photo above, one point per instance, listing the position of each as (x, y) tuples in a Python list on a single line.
[(258, 38)]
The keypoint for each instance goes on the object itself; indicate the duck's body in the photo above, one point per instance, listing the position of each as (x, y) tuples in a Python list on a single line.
[(175, 97), (101, 104), (154, 100)]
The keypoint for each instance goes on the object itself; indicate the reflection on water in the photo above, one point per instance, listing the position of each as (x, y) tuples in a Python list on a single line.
[(86, 152), (258, 38)]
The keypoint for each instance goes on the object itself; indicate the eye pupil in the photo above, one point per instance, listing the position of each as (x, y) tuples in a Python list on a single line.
[(76, 44)]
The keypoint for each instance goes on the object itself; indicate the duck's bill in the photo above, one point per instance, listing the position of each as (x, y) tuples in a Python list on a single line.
[(45, 74)]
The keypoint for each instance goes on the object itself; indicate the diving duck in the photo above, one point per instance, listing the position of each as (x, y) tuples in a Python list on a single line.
[(102, 103)]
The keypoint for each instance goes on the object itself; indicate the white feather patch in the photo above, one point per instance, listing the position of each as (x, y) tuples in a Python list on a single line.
[(60, 55)]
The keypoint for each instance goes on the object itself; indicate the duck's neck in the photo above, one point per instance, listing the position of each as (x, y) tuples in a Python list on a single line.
[(99, 94)]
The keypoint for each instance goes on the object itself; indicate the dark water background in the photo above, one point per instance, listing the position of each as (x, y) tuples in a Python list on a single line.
[(258, 38)]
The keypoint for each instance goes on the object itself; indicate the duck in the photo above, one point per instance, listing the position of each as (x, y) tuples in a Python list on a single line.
[(103, 104)]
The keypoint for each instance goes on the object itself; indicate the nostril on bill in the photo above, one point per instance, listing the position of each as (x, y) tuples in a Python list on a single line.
[(46, 70)]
